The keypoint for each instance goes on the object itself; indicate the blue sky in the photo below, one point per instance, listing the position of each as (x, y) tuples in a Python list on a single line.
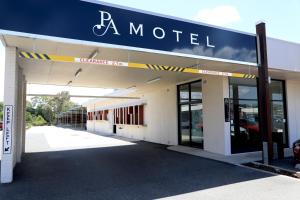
[(282, 17)]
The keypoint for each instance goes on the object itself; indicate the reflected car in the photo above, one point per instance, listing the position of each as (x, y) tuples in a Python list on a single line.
[(296, 151), (250, 125), (1, 126)]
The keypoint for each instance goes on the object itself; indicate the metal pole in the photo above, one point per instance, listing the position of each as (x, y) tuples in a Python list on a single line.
[(82, 117), (265, 123)]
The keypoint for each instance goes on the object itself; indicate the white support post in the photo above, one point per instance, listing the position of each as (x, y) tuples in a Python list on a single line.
[(10, 120), (19, 116), (24, 114)]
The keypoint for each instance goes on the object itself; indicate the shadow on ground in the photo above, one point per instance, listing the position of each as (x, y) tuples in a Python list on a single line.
[(141, 171)]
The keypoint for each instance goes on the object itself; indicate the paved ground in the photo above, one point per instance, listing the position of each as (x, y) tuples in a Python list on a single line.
[(136, 170)]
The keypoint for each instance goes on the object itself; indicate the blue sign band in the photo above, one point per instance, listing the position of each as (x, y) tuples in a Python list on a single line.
[(97, 22)]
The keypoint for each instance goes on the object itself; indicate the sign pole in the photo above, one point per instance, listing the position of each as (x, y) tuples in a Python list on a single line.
[(265, 124)]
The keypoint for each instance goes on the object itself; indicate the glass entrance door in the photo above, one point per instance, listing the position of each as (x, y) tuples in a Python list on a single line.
[(190, 114), (196, 125)]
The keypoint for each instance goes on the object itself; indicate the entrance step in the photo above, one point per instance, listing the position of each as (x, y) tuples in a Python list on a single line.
[(236, 159)]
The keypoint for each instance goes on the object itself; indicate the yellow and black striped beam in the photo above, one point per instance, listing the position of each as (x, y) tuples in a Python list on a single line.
[(165, 68), (38, 56), (56, 58)]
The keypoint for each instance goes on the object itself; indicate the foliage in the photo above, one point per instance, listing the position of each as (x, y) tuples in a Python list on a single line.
[(49, 107), (1, 111), (39, 121), (43, 110)]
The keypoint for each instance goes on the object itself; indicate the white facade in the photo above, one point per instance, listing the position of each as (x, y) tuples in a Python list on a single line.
[(161, 117), (161, 114)]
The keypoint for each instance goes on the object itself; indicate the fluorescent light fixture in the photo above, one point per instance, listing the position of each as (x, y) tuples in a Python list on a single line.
[(94, 54), (132, 87), (78, 72), (153, 80), (69, 83)]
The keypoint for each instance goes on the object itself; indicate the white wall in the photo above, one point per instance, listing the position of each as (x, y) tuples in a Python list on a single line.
[(216, 130), (293, 108), (283, 55), (132, 131), (160, 119), (101, 126), (161, 116)]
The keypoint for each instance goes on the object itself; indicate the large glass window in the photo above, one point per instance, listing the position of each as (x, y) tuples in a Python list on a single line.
[(190, 114), (244, 123), (279, 125), (244, 126)]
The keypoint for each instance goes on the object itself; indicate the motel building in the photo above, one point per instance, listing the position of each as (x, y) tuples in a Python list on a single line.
[(179, 82)]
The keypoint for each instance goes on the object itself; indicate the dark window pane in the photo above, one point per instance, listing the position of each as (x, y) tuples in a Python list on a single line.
[(278, 120), (247, 92), (276, 90), (245, 135), (231, 91), (197, 123), (184, 93), (196, 91), (243, 88), (184, 124)]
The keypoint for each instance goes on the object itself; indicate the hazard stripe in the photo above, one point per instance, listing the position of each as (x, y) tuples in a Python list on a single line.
[(46, 56), (38, 56), (148, 66), (248, 76), (57, 58), (29, 55), (157, 67), (34, 56), (21, 55), (161, 67)]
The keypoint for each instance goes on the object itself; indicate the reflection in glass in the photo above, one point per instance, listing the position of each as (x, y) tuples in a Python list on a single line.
[(247, 92), (190, 116), (184, 93), (196, 91), (184, 124), (244, 127), (276, 90), (245, 135), (197, 123)]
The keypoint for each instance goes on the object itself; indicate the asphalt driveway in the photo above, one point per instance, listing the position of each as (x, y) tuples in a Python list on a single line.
[(139, 170)]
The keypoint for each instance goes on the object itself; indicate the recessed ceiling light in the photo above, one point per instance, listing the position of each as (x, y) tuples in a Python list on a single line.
[(78, 72), (132, 87), (153, 80), (94, 54)]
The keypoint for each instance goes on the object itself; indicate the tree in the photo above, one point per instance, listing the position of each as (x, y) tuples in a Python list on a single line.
[(49, 107), (62, 102), (39, 121), (1, 111)]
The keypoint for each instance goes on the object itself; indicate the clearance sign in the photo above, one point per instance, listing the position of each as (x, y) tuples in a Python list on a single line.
[(57, 58), (98, 23)]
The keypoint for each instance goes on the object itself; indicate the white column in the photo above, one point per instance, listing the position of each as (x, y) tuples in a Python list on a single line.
[(216, 130), (19, 116), (293, 110), (10, 98), (24, 114)]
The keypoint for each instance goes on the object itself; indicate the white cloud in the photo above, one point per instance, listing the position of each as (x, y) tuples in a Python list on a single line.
[(221, 15)]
